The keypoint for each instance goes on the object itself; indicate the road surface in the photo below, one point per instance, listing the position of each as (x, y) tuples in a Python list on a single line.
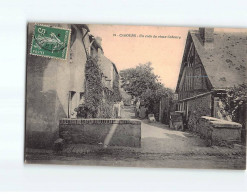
[(160, 147)]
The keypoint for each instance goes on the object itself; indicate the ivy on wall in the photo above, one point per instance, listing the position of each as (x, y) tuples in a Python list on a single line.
[(116, 95), (99, 100), (234, 100), (94, 87)]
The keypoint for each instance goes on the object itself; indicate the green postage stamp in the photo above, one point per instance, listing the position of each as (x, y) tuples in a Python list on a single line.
[(51, 42)]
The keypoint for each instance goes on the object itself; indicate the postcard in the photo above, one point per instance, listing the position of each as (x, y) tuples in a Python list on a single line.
[(136, 96)]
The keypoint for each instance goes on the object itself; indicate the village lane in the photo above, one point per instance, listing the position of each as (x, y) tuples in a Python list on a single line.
[(167, 146), (160, 147), (159, 138)]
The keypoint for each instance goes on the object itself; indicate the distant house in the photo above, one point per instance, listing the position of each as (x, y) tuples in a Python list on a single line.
[(110, 72), (110, 76), (212, 61), (54, 88)]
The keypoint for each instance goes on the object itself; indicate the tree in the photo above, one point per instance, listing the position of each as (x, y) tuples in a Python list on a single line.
[(137, 80), (152, 97), (143, 83), (235, 98)]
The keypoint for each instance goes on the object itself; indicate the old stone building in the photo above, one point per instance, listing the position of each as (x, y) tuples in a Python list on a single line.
[(54, 88), (212, 62)]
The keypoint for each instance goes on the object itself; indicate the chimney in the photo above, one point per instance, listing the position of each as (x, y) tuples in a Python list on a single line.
[(206, 35), (99, 40)]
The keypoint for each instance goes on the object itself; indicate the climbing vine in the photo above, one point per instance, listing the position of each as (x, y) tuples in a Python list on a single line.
[(235, 98), (99, 100), (114, 95), (94, 87)]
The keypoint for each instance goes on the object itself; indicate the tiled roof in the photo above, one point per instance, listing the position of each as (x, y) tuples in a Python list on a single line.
[(225, 60)]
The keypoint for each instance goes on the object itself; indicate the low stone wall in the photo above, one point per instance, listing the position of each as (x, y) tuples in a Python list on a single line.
[(106, 132), (217, 131), (198, 107)]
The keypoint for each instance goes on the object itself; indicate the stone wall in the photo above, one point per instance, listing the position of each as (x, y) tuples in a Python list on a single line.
[(218, 131), (112, 132), (196, 108)]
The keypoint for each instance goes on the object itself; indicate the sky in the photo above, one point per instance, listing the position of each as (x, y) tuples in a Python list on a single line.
[(165, 53)]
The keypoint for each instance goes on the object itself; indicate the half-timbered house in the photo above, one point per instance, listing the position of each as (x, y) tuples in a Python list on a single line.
[(212, 61)]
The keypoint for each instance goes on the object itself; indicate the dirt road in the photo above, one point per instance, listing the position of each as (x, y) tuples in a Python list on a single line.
[(161, 147)]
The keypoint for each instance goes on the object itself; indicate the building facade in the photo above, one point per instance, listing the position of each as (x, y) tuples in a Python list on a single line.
[(211, 63), (54, 88)]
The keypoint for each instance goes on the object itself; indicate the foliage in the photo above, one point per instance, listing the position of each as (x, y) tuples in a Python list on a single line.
[(82, 111), (106, 109), (94, 87), (107, 105), (97, 104), (152, 97), (143, 83), (234, 99), (137, 80), (116, 95)]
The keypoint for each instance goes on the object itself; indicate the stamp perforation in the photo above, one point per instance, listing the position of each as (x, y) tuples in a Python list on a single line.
[(47, 56)]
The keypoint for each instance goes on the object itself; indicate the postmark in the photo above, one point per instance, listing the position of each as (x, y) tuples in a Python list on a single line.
[(51, 42)]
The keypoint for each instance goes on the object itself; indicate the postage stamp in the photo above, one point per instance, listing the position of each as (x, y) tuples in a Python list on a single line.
[(51, 42)]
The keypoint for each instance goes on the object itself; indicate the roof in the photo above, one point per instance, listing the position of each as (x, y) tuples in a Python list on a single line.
[(96, 44), (105, 65), (114, 66), (80, 26), (225, 60)]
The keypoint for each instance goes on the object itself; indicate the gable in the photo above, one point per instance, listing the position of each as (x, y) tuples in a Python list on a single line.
[(186, 48), (192, 74), (225, 60)]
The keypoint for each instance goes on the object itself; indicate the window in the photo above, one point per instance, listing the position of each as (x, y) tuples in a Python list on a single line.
[(71, 104)]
